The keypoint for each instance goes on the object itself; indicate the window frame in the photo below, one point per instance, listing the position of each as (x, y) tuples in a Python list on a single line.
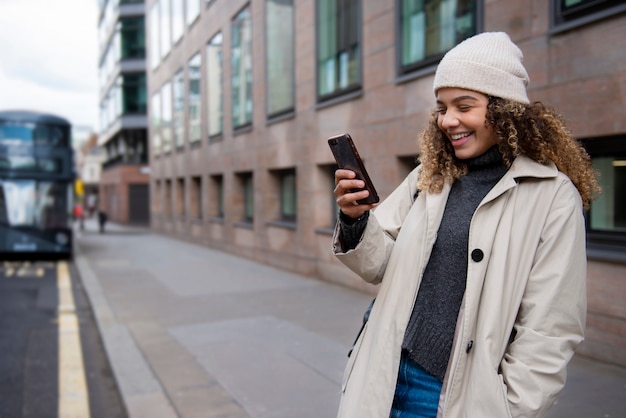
[(194, 107), (166, 117), (196, 203), (429, 64), (602, 244), (247, 190), (216, 41), (155, 122), (288, 110), (189, 17), (246, 121), (579, 15), (217, 184), (352, 90), (165, 29), (178, 109), (155, 35), (282, 176)]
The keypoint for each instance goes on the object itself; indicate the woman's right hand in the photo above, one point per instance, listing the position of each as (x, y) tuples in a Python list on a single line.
[(346, 195)]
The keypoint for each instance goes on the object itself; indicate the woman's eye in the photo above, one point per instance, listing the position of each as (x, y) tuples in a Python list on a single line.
[(440, 110)]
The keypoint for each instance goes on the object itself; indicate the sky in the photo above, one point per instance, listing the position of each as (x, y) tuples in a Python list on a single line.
[(49, 58)]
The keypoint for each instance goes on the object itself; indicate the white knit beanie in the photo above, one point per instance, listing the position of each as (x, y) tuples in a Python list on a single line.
[(488, 63)]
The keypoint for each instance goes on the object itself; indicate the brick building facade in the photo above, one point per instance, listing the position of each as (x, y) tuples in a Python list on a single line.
[(244, 94)]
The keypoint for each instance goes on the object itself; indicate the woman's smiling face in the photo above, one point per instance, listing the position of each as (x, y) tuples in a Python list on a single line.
[(461, 115)]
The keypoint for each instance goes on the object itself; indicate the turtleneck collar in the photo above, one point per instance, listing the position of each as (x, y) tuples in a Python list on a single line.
[(490, 159)]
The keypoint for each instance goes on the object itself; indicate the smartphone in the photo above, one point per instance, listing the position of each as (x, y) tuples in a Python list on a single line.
[(347, 157)]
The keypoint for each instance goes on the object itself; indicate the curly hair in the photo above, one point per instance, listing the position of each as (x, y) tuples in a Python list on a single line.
[(533, 130)]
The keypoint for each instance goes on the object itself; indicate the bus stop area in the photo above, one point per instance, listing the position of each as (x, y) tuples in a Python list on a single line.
[(195, 332)]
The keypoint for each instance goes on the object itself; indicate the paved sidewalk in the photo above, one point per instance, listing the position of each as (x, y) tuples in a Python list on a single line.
[(194, 332)]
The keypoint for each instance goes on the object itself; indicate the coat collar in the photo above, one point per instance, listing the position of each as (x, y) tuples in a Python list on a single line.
[(525, 167), (522, 167)]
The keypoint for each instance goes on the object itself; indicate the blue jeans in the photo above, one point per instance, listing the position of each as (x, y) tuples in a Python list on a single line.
[(417, 391)]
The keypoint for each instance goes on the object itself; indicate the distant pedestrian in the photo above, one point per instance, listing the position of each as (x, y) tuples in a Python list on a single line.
[(102, 220), (482, 300), (79, 215), (91, 203)]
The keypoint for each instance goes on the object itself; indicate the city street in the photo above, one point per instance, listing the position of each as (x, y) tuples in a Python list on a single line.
[(185, 331), (37, 336), (194, 332)]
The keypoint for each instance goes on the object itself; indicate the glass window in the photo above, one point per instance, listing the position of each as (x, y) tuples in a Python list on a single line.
[(179, 109), (166, 33), (195, 98), (334, 215), (584, 11), (169, 198), (279, 61), (606, 220), (218, 196), (166, 116), (155, 52), (132, 34), (214, 85), (608, 211), (429, 29), (193, 10), (178, 20), (242, 68), (288, 195), (134, 94), (196, 198), (180, 198), (338, 47), (155, 122), (247, 188)]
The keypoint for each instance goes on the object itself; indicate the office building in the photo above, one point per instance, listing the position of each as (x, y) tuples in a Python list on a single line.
[(244, 93), (124, 183)]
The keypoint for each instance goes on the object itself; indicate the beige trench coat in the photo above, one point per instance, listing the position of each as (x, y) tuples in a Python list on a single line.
[(523, 313)]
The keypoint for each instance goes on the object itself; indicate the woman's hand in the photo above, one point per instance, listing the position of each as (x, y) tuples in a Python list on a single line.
[(346, 195)]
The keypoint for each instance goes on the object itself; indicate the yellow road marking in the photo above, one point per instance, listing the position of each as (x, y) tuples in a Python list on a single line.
[(73, 394)]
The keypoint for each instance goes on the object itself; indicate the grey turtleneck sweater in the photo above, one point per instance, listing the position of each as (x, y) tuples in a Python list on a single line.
[(429, 334)]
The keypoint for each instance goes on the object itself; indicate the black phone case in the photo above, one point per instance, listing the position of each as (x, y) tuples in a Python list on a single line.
[(347, 157)]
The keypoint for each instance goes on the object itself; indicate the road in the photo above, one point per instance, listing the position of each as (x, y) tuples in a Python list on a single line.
[(52, 362)]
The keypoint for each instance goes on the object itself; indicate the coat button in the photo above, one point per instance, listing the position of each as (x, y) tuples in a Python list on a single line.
[(470, 344), (477, 255)]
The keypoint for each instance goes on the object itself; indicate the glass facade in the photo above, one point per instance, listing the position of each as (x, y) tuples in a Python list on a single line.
[(429, 29), (338, 47), (608, 211), (166, 117), (155, 122), (194, 97), (288, 196), (155, 36), (134, 96), (178, 20), (178, 121), (572, 12), (192, 11), (214, 85), (241, 63), (132, 37), (279, 59), (164, 27)]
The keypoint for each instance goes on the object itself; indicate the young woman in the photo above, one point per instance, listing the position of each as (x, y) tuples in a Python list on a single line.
[(480, 253)]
